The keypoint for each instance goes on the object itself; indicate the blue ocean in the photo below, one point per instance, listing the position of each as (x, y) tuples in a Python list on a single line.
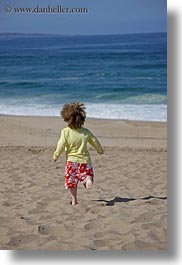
[(116, 76)]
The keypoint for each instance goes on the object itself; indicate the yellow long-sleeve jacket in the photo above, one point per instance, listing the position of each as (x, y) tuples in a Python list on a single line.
[(74, 143)]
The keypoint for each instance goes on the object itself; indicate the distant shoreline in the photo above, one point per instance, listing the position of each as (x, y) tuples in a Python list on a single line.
[(89, 119), (79, 35)]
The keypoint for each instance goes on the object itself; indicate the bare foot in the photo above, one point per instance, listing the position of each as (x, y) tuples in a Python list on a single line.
[(73, 192), (73, 203)]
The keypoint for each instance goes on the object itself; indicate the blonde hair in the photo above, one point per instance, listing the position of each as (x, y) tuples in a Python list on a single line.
[(74, 114)]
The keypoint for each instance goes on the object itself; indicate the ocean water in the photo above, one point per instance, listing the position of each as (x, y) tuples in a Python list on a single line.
[(116, 76)]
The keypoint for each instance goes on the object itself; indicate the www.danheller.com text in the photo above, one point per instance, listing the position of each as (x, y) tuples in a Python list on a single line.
[(59, 9)]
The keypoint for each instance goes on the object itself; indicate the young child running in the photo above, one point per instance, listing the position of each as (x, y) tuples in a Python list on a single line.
[(73, 141)]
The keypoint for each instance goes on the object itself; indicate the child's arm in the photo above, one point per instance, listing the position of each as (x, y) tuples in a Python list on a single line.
[(95, 143), (60, 146)]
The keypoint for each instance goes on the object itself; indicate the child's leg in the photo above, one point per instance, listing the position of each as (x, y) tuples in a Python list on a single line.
[(88, 182), (73, 195)]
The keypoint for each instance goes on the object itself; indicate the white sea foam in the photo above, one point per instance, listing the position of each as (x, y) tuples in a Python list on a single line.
[(128, 112), (147, 112)]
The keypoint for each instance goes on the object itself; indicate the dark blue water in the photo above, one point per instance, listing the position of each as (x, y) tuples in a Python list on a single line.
[(117, 76)]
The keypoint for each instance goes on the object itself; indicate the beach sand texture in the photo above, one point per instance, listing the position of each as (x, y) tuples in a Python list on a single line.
[(125, 210)]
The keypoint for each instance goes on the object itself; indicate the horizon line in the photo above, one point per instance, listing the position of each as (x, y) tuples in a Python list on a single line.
[(71, 34)]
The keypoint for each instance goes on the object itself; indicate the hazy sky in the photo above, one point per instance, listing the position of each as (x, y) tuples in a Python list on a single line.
[(103, 17)]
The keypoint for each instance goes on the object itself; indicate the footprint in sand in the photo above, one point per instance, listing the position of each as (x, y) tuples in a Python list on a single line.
[(89, 226), (43, 230), (108, 235), (22, 240), (56, 231), (145, 217), (97, 244), (143, 245)]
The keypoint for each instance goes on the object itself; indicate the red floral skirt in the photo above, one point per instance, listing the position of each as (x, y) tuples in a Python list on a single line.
[(75, 172)]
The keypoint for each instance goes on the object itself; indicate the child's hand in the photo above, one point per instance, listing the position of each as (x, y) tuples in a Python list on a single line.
[(54, 157)]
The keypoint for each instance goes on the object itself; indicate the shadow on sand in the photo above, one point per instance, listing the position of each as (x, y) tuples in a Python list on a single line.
[(120, 199)]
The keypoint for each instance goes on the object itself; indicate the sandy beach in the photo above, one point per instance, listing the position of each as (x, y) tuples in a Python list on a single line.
[(125, 210)]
